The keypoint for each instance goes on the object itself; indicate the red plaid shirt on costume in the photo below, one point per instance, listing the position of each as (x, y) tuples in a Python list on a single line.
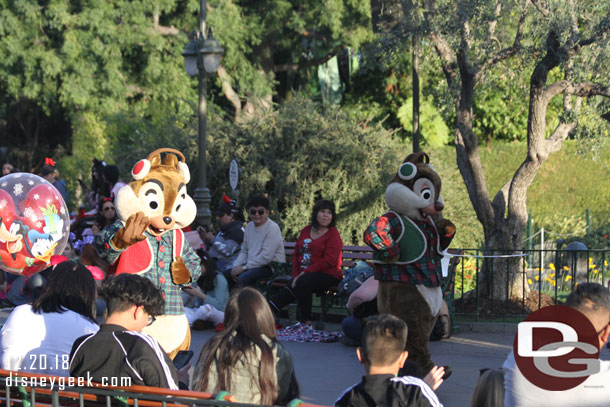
[(381, 235)]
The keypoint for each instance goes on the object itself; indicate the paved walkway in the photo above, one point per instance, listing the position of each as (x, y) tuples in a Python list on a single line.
[(324, 370)]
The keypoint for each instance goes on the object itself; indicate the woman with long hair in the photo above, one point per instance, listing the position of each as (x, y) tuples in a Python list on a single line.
[(38, 338), (246, 359), (316, 262)]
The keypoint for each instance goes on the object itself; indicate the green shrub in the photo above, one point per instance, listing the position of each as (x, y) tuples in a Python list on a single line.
[(301, 152)]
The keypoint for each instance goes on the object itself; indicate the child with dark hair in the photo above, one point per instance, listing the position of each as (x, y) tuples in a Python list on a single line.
[(119, 349), (382, 354), (206, 300), (46, 329)]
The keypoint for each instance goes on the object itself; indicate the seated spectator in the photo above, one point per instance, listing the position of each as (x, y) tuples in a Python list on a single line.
[(206, 300), (112, 180), (362, 303), (246, 359), (382, 354), (106, 213), (224, 247), (593, 301), (7, 168), (119, 349), (50, 173), (489, 390), (99, 269), (263, 243), (45, 331), (316, 262)]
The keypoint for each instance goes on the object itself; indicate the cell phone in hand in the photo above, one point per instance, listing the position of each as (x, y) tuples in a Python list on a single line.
[(182, 358)]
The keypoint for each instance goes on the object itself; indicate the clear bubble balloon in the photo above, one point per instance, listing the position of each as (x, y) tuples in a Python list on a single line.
[(34, 223)]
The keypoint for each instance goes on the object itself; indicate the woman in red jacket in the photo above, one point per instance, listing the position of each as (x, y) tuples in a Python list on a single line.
[(316, 262)]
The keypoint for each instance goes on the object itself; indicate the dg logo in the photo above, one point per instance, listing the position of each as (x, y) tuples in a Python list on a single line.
[(556, 348)]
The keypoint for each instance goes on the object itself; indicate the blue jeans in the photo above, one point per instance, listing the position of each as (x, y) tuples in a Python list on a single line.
[(250, 276)]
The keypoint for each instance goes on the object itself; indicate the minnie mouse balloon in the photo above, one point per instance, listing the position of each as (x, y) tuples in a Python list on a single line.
[(34, 223)]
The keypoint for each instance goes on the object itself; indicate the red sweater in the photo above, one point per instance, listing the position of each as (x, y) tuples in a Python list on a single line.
[(321, 254)]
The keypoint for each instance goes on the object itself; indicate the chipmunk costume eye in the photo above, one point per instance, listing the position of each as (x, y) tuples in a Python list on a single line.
[(425, 189), (151, 194), (180, 198), (407, 171)]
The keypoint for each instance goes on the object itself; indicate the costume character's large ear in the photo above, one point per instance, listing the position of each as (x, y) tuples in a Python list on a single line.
[(140, 170)]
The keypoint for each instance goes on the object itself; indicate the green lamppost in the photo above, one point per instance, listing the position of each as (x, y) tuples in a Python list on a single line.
[(202, 57)]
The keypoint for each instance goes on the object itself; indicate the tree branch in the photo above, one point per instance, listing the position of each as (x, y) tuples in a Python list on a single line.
[(583, 89), (228, 91), (506, 52), (542, 7), (491, 28), (555, 140), (448, 60), (307, 64)]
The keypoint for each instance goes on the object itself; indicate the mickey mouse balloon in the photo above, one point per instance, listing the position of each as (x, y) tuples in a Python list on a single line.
[(34, 223)]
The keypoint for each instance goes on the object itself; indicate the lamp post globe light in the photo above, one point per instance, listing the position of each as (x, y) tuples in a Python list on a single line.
[(202, 57)]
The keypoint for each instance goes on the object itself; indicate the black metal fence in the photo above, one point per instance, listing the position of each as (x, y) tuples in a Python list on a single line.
[(533, 279)]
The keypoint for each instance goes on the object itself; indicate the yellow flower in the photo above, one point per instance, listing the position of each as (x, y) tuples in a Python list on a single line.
[(568, 278), (537, 278), (529, 281), (553, 282), (606, 263), (590, 260), (566, 268), (552, 275), (552, 266)]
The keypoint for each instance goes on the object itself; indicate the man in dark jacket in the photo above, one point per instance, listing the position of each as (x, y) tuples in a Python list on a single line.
[(119, 350), (382, 354)]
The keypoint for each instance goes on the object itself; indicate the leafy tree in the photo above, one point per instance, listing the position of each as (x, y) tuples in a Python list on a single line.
[(563, 45)]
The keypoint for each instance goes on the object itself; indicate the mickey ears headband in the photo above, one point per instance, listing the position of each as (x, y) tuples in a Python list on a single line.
[(49, 161), (142, 167)]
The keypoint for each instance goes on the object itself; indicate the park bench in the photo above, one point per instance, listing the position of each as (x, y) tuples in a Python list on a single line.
[(328, 297), (350, 255)]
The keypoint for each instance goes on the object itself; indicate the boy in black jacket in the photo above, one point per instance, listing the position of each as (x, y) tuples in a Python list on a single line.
[(382, 354), (119, 350)]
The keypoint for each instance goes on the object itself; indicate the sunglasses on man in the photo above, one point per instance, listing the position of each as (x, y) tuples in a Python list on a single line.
[(254, 212)]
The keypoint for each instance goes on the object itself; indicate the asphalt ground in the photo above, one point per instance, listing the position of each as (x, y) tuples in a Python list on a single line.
[(324, 370)]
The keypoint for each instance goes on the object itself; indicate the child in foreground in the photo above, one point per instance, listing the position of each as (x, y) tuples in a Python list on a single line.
[(382, 354)]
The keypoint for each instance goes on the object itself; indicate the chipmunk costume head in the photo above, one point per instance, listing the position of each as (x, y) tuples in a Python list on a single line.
[(407, 243), (158, 190), (149, 241)]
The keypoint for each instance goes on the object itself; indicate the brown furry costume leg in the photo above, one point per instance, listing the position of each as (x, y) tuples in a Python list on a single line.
[(405, 302)]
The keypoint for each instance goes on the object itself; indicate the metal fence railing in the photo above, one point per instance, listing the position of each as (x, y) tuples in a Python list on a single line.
[(29, 389), (532, 279)]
